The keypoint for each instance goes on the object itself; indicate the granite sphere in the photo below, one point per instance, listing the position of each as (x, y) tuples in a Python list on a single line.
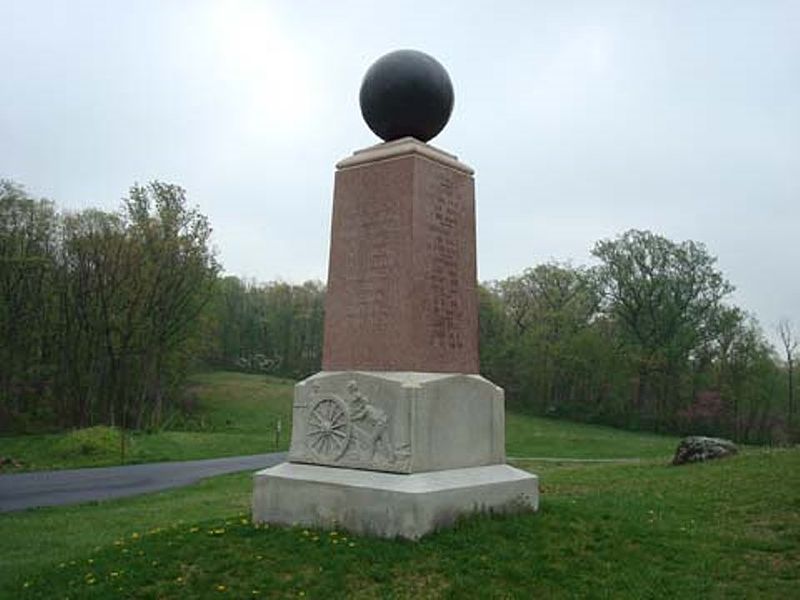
[(406, 93)]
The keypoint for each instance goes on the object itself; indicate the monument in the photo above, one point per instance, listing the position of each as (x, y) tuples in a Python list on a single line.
[(398, 435)]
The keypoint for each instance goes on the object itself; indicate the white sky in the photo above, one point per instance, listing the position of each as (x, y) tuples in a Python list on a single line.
[(582, 120)]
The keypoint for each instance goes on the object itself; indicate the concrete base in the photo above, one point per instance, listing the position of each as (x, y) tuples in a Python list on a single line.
[(388, 504)]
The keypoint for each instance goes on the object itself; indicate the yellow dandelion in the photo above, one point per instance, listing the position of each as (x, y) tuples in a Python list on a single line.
[(134, 536), (221, 588), (194, 530), (179, 579)]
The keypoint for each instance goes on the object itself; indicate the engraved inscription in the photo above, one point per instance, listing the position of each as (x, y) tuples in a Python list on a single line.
[(444, 246), (371, 262)]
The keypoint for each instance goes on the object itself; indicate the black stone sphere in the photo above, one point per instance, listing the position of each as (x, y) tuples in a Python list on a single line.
[(406, 93)]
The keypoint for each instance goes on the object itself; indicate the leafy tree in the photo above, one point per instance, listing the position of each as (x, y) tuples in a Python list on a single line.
[(664, 297), (789, 341)]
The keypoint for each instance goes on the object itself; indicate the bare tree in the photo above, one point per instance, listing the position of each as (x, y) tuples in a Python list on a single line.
[(789, 340)]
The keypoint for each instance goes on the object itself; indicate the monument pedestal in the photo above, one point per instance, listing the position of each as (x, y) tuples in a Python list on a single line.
[(398, 435), (388, 504)]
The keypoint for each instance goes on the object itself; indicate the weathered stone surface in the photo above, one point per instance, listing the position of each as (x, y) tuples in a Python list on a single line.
[(699, 448), (402, 292), (387, 504), (398, 421)]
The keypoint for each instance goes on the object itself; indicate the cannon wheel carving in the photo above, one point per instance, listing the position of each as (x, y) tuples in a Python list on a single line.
[(328, 428)]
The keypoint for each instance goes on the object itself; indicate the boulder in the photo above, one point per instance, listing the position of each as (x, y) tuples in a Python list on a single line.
[(699, 449)]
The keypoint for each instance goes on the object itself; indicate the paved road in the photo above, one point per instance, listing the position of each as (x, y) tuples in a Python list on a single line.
[(48, 488)]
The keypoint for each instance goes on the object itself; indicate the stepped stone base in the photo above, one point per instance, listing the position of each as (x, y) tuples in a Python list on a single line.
[(388, 504)]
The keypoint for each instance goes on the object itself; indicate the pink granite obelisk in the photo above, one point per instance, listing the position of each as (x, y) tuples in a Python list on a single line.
[(402, 283)]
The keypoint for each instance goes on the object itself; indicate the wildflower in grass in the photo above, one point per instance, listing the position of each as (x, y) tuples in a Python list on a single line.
[(352, 545), (259, 557), (135, 535), (194, 530), (335, 541), (179, 579), (154, 563), (90, 561), (26, 585), (333, 534), (305, 532), (62, 565), (114, 574), (244, 521), (255, 592), (221, 588)]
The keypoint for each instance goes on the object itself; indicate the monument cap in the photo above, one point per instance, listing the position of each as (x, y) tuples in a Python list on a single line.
[(406, 93)]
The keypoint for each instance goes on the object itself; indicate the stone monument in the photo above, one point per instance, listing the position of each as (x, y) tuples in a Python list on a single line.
[(398, 435)]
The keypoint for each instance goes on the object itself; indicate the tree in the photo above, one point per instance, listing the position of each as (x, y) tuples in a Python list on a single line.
[(789, 341), (28, 244), (663, 296), (100, 310)]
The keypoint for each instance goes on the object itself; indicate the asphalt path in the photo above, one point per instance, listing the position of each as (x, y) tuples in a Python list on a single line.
[(50, 488)]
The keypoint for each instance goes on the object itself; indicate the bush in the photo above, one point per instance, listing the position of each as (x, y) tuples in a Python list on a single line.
[(92, 441)]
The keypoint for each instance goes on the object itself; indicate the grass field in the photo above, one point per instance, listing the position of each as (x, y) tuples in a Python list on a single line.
[(237, 414), (727, 529)]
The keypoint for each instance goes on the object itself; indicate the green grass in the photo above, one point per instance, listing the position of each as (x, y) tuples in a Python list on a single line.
[(726, 529), (528, 436), (237, 414)]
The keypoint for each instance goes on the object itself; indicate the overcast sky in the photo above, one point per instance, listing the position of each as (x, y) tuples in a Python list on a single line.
[(581, 119)]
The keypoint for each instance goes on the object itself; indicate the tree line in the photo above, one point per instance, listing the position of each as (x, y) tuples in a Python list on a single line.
[(99, 309), (105, 313), (647, 339)]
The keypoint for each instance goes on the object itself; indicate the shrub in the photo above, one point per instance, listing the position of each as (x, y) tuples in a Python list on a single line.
[(92, 441)]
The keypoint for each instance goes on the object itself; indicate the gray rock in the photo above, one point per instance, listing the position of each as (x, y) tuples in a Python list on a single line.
[(699, 449)]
